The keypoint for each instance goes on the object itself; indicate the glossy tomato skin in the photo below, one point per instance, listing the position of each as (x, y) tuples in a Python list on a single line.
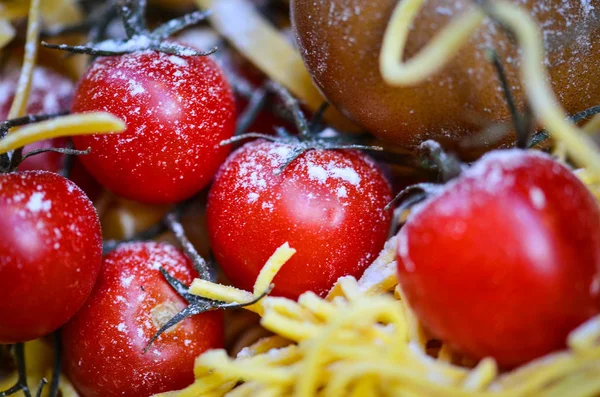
[(505, 261), (104, 343), (50, 93), (177, 111), (50, 253), (327, 204)]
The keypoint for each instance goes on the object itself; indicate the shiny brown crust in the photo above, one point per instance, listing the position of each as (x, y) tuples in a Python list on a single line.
[(340, 41)]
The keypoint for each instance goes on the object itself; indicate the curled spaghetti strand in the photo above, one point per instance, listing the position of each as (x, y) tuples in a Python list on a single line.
[(445, 45)]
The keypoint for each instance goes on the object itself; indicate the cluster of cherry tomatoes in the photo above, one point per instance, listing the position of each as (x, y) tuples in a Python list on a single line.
[(178, 109), (503, 261)]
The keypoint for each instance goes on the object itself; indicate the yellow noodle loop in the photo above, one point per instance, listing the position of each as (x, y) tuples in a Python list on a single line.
[(75, 124), (444, 46), (361, 341)]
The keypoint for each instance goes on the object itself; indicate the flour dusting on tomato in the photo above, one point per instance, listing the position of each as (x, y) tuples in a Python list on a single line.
[(37, 203), (177, 110), (328, 204), (50, 234), (130, 302)]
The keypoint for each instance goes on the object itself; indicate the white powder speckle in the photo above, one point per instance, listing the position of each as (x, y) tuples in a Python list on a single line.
[(135, 88), (347, 174), (136, 43), (537, 197), (122, 327), (178, 60), (126, 281), (321, 174), (252, 197), (318, 173), (37, 203)]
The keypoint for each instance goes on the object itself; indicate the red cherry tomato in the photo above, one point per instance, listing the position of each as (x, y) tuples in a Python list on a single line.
[(177, 110), (50, 93), (505, 261), (50, 253), (104, 343), (327, 204)]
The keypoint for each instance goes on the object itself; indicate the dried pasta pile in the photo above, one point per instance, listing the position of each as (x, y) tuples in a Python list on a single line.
[(363, 341)]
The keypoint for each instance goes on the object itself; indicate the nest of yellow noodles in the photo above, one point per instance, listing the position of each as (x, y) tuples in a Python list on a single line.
[(363, 340)]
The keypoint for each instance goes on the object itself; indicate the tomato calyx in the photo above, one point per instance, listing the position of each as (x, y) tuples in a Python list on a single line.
[(21, 384), (9, 162), (173, 224), (196, 305), (522, 123), (448, 167), (585, 114), (447, 164), (139, 38), (412, 195), (310, 134)]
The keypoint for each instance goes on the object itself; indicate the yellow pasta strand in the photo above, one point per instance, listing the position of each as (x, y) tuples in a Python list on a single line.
[(19, 104), (273, 265), (75, 124), (223, 293), (586, 336), (441, 48), (482, 375)]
